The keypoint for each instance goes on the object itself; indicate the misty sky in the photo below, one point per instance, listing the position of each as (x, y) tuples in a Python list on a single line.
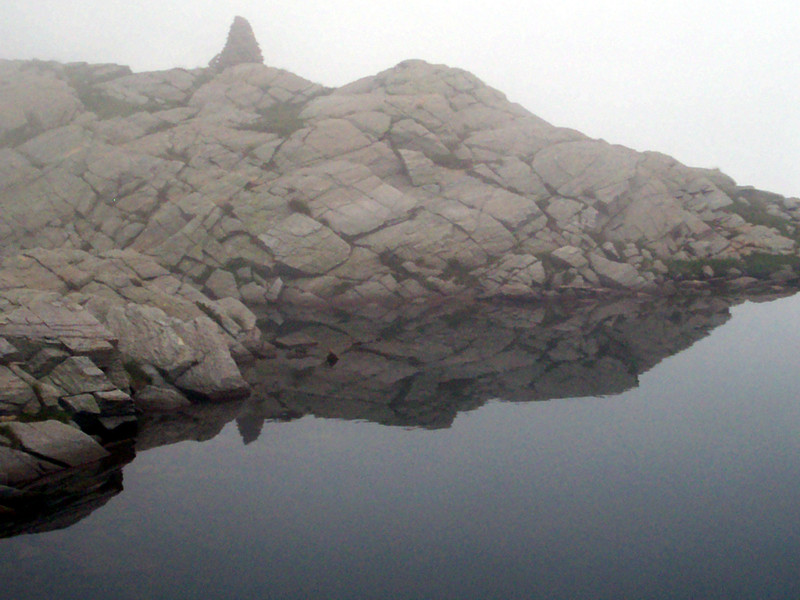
[(713, 83)]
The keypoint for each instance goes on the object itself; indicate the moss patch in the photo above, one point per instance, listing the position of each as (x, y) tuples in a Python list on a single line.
[(139, 377), (758, 264)]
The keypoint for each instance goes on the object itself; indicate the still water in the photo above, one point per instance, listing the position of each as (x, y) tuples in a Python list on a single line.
[(686, 485)]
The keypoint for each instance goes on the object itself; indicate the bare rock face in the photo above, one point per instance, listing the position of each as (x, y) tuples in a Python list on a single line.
[(245, 181), (241, 47)]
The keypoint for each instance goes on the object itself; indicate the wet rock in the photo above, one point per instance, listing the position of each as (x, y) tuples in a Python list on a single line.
[(114, 403), (55, 442), (18, 467)]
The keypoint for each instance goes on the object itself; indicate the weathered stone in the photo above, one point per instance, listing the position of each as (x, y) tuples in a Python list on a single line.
[(55, 442), (79, 375), (422, 170), (8, 353), (306, 245), (263, 185), (76, 328), (571, 256), (147, 335), (18, 467), (114, 403), (215, 376), (45, 360), (222, 284), (80, 404), (252, 293), (15, 394), (153, 398), (615, 273)]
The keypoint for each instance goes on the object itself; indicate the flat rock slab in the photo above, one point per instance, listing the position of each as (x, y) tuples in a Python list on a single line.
[(73, 328), (56, 442), (79, 375)]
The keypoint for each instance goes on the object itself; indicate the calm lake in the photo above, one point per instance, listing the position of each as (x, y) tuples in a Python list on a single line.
[(666, 464)]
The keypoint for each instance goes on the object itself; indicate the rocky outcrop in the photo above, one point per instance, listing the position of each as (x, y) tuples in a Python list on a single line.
[(141, 213), (252, 183), (115, 309), (95, 340)]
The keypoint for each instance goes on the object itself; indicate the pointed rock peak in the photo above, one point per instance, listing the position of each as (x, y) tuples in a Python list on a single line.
[(241, 47)]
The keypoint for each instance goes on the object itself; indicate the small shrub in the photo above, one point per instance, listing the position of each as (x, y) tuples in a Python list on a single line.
[(458, 272), (282, 119), (756, 213), (757, 264)]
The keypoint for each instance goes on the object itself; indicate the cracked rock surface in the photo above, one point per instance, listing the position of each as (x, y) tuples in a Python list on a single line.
[(421, 181)]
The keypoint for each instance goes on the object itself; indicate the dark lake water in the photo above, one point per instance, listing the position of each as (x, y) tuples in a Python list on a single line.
[(685, 485)]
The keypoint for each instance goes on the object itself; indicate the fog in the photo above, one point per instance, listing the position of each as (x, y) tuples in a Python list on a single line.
[(712, 83)]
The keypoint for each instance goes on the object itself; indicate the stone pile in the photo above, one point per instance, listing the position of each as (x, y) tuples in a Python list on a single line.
[(241, 47)]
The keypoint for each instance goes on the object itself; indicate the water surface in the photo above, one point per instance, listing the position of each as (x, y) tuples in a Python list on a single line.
[(684, 486)]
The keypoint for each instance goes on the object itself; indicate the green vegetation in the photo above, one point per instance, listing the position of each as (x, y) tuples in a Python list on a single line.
[(299, 206), (758, 264), (47, 413), (451, 161), (755, 212), (459, 273), (105, 106), (282, 119), (139, 377)]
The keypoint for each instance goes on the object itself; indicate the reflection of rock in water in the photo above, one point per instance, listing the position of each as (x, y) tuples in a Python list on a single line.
[(417, 367), (422, 365), (199, 422), (63, 498), (249, 427)]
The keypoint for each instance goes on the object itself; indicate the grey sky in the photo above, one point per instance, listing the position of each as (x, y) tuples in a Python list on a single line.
[(713, 83)]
